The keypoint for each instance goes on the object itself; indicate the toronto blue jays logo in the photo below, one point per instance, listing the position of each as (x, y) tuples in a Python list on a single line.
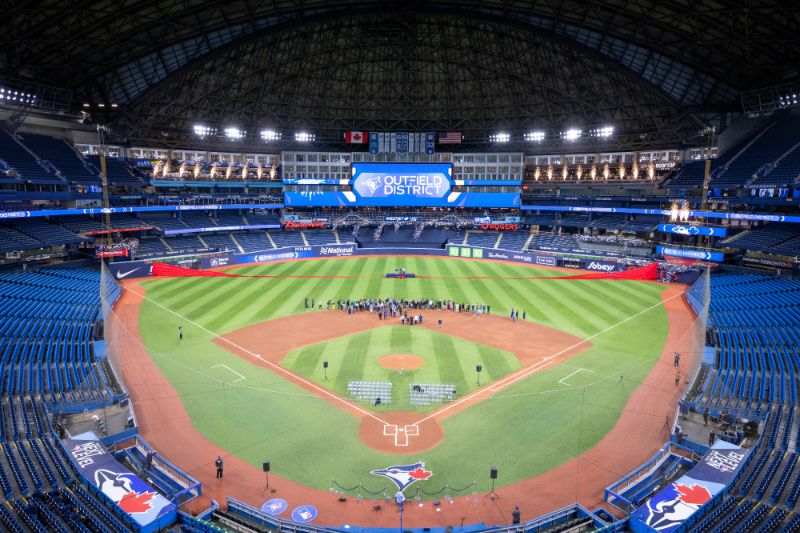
[(368, 186), (123, 489), (404, 475), (673, 505)]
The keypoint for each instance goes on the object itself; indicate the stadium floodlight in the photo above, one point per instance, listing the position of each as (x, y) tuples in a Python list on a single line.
[(304, 137), (571, 135), (234, 134), (202, 130), (500, 137), (534, 136), (270, 135), (604, 133)]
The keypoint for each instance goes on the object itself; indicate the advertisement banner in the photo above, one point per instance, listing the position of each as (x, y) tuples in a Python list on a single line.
[(220, 228), (498, 226), (131, 494), (692, 231), (292, 225), (767, 262), (673, 505), (453, 199), (602, 266), (144, 209), (310, 181), (500, 255), (691, 254), (129, 269), (545, 260)]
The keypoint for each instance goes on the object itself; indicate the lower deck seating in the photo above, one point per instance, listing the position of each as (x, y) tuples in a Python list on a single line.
[(46, 355)]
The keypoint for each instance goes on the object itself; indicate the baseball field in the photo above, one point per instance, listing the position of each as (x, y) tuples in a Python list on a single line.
[(249, 370)]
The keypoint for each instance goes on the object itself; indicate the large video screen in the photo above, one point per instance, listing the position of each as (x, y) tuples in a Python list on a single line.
[(401, 185)]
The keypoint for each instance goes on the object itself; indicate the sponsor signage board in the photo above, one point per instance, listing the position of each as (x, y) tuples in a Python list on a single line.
[(602, 266), (316, 224), (220, 228), (498, 226), (767, 262)]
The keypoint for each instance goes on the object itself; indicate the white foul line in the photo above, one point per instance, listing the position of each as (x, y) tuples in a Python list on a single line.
[(268, 363), (241, 377), (565, 378), (525, 372), (508, 380)]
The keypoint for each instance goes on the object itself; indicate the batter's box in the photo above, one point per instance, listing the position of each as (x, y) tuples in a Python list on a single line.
[(563, 380), (412, 431), (389, 430)]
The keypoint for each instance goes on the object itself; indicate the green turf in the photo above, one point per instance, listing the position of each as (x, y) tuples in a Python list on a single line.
[(527, 429), (447, 360)]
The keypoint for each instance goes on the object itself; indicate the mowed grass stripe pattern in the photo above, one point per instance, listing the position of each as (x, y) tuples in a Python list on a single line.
[(527, 429), (446, 360)]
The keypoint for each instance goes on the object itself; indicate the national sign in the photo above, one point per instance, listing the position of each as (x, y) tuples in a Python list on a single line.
[(404, 475)]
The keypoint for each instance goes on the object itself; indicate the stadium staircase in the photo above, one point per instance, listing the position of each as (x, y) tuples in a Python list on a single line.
[(756, 326), (46, 356)]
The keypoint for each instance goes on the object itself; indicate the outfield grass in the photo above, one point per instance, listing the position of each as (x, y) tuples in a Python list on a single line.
[(447, 360), (529, 428)]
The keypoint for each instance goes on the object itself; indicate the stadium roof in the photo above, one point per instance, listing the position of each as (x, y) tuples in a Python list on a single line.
[(654, 69)]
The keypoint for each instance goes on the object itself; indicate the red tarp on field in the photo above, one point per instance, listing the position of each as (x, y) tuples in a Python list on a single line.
[(649, 272)]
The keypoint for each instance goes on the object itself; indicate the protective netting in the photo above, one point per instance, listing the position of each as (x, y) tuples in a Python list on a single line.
[(202, 396)]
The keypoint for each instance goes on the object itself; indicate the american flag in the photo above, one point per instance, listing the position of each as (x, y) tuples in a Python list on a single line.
[(450, 137)]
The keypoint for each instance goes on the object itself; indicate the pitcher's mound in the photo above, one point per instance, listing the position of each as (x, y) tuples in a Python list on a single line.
[(400, 361)]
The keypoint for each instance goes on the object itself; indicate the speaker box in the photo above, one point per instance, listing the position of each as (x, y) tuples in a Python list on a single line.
[(478, 368), (324, 364), (266, 465), (493, 472)]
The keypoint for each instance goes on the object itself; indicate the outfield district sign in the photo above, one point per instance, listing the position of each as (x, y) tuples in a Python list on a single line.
[(388, 184)]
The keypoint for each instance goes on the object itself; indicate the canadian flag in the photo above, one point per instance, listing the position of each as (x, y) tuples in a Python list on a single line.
[(355, 137)]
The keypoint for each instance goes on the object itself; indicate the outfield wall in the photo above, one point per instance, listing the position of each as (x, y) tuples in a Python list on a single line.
[(139, 269)]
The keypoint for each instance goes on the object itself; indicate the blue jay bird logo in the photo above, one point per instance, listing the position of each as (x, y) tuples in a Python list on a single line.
[(368, 185), (404, 475)]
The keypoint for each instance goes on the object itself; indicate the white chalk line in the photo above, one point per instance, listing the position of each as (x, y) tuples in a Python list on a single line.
[(565, 378), (272, 365), (229, 369), (498, 385), (527, 371)]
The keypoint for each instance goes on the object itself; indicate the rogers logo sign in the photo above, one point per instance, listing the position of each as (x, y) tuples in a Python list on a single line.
[(599, 266), (336, 250), (291, 224), (502, 227)]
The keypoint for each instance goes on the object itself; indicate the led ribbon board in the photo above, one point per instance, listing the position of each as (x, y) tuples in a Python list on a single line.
[(691, 254), (402, 184), (692, 230)]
